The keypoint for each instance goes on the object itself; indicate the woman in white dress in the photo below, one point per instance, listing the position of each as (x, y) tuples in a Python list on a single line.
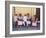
[(34, 21), (20, 20)]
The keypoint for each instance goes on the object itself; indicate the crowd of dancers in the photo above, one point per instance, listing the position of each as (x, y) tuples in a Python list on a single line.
[(25, 20)]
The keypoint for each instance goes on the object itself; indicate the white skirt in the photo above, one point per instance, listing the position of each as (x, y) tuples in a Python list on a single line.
[(20, 22), (34, 24)]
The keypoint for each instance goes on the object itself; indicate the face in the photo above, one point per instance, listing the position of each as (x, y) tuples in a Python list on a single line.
[(33, 18)]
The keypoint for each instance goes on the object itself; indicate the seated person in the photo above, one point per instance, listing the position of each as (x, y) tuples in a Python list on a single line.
[(28, 20), (24, 20)]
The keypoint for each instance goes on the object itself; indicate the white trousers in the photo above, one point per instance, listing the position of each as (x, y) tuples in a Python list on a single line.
[(28, 22)]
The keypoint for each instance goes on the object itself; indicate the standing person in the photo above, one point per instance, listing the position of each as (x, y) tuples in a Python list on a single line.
[(34, 21), (20, 20), (15, 20), (28, 20), (25, 20)]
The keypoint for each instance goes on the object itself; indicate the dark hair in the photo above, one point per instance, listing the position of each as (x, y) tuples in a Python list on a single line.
[(27, 13), (20, 14)]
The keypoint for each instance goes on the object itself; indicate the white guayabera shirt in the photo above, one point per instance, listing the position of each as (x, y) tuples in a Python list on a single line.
[(24, 20)]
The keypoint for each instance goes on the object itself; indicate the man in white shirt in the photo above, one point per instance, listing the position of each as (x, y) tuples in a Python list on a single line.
[(28, 20), (24, 20)]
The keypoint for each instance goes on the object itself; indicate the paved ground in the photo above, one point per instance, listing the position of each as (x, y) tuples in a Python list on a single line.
[(26, 28)]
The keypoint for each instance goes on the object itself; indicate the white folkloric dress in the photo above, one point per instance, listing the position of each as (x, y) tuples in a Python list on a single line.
[(34, 23)]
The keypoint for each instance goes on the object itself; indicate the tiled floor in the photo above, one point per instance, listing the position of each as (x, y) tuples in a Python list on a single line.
[(26, 28)]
